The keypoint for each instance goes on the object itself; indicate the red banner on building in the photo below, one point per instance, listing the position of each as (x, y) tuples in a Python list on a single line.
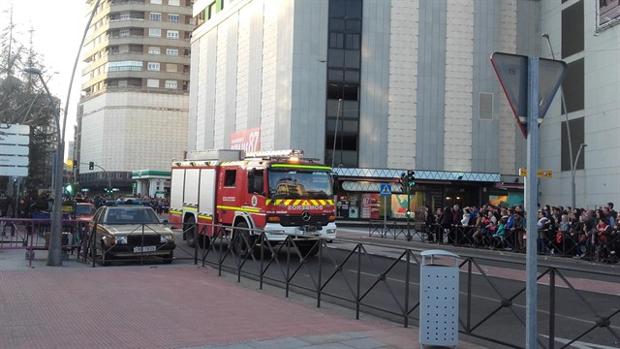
[(247, 140)]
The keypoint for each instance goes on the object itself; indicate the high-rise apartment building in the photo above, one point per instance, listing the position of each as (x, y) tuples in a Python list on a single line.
[(133, 111)]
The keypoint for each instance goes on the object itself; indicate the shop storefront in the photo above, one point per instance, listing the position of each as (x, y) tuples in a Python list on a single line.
[(151, 183), (357, 192)]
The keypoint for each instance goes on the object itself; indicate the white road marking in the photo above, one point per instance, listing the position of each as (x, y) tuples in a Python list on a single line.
[(581, 345)]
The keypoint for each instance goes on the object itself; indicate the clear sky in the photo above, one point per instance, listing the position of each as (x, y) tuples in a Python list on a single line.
[(58, 26)]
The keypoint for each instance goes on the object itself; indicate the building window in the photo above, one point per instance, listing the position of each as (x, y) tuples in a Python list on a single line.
[(486, 106), (171, 68), (577, 138), (117, 66), (573, 86), (172, 34), (212, 10), (155, 32), (152, 83), (154, 50), (173, 3), (155, 16), (174, 18), (152, 66), (123, 33), (171, 84), (124, 16), (157, 2), (172, 51), (572, 29)]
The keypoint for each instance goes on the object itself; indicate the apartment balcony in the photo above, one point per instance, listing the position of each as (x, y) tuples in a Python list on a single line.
[(135, 72), (136, 56), (138, 40)]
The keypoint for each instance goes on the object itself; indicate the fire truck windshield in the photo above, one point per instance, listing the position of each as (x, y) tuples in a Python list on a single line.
[(299, 184)]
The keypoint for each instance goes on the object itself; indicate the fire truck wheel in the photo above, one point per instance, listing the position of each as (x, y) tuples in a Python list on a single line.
[(189, 231), (242, 240), (308, 248)]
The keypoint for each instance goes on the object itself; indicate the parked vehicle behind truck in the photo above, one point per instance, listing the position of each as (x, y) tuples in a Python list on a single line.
[(279, 193)]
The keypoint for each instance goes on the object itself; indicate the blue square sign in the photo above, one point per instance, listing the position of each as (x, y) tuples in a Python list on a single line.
[(385, 189)]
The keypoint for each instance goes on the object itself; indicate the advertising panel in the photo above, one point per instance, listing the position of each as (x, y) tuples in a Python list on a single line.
[(247, 140), (399, 205), (370, 206)]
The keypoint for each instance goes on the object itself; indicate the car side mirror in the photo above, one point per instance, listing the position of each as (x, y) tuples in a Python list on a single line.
[(163, 221)]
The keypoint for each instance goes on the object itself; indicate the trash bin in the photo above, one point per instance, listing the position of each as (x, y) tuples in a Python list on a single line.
[(439, 299)]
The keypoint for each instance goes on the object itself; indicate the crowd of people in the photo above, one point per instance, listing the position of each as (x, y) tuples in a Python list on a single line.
[(32, 205), (574, 232), (160, 205)]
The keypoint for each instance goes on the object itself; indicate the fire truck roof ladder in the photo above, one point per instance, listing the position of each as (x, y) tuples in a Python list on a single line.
[(269, 154)]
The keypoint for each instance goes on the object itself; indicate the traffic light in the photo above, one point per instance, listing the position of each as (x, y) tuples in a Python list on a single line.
[(411, 178), (91, 165), (69, 189), (407, 180)]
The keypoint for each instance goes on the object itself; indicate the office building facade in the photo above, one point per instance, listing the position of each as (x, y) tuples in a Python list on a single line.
[(586, 36), (387, 84)]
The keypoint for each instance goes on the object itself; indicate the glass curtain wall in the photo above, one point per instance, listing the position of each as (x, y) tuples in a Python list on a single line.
[(343, 82)]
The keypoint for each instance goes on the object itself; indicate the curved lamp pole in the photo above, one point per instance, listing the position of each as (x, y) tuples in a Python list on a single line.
[(573, 160), (54, 257), (573, 169)]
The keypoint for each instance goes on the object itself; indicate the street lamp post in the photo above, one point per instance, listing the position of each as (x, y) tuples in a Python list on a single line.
[(54, 257), (573, 170), (573, 160)]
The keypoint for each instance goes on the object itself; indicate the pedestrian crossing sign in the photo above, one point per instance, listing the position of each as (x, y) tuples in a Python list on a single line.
[(385, 189)]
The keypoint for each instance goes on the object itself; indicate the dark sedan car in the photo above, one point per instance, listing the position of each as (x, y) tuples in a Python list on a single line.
[(132, 232)]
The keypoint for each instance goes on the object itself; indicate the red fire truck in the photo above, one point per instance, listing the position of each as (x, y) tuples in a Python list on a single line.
[(277, 192)]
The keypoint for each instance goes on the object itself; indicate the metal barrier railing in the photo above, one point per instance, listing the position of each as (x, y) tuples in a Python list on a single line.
[(359, 279), (33, 235), (604, 248), (389, 287)]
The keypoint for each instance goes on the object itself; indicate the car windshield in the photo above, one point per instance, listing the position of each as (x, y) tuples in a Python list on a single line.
[(84, 210), (299, 184), (130, 215)]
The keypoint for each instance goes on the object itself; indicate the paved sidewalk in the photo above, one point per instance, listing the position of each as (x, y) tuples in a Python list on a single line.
[(176, 306)]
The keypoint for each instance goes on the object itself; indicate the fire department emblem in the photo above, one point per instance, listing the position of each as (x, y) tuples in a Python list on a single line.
[(254, 200)]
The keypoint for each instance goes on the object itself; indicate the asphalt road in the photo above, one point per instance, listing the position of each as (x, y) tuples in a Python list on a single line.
[(575, 312)]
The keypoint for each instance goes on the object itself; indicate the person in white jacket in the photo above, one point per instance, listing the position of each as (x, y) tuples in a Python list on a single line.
[(466, 217)]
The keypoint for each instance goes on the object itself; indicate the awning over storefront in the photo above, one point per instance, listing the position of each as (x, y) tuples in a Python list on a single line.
[(391, 174)]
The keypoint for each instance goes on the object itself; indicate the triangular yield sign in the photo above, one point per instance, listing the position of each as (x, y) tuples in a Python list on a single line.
[(512, 72)]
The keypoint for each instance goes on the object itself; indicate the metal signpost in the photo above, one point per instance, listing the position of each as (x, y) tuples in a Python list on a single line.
[(529, 84), (385, 191)]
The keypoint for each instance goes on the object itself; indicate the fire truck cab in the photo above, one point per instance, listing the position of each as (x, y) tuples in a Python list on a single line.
[(279, 193)]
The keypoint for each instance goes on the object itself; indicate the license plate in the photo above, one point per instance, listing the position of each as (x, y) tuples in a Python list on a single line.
[(310, 228), (139, 249)]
